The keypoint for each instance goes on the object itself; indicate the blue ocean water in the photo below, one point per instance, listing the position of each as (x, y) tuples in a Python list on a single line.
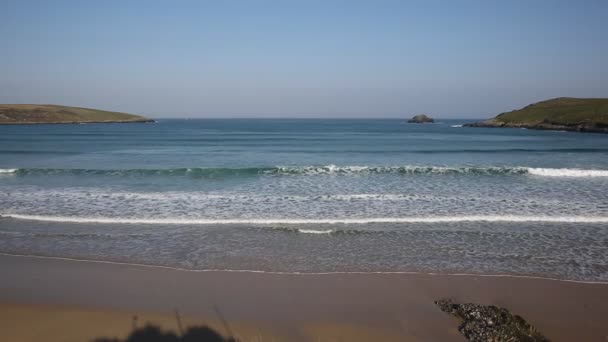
[(309, 196)]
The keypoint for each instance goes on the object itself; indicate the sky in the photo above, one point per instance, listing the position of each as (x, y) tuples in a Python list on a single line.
[(288, 59)]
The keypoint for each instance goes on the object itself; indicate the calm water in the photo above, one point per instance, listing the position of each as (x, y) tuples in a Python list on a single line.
[(309, 196)]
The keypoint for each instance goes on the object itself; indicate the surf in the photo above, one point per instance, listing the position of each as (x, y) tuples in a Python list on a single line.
[(305, 221), (567, 172), (316, 170)]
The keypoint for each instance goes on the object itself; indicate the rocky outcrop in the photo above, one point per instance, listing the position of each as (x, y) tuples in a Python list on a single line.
[(559, 114), (480, 323), (422, 118), (589, 127)]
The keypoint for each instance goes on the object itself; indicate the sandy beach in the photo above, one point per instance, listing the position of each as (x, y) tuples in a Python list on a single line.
[(303, 171), (67, 300)]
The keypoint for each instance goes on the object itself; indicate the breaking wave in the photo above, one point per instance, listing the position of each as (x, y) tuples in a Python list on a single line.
[(311, 170), (567, 172), (298, 221)]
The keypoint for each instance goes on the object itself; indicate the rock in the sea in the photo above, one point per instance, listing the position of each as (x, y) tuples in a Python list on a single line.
[(422, 118), (480, 323)]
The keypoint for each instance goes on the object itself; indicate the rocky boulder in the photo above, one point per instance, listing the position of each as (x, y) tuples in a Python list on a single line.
[(480, 323), (422, 118)]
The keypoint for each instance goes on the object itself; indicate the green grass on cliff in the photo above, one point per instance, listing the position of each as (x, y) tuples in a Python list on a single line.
[(27, 113), (562, 111)]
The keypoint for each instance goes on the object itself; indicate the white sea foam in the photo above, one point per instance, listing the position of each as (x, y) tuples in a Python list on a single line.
[(567, 172), (456, 126), (406, 169), (203, 221), (375, 197), (320, 170), (314, 231)]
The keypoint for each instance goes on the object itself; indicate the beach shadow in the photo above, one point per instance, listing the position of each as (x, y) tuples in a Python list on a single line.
[(153, 333), (203, 333)]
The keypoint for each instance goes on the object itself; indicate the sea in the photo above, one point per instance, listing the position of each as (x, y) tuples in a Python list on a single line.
[(309, 196)]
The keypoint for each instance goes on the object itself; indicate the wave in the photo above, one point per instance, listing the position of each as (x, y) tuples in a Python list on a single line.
[(36, 152), (270, 148), (315, 231), (434, 151), (313, 170), (303, 221), (191, 172), (567, 172), (512, 150), (333, 169)]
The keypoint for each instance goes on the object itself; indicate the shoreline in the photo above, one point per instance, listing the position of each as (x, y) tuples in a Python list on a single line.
[(578, 128), (304, 274), (290, 307)]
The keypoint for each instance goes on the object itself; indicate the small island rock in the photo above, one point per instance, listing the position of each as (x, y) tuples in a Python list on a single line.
[(422, 118)]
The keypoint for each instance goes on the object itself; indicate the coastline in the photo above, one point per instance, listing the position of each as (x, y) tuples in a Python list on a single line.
[(77, 122), (581, 128), (586, 115), (292, 307), (35, 114)]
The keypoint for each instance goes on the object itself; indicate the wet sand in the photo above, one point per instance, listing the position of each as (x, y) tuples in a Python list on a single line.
[(63, 300)]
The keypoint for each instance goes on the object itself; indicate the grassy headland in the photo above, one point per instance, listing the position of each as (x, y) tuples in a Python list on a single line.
[(563, 113), (53, 114)]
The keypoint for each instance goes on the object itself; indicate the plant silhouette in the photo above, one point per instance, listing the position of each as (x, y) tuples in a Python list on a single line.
[(153, 333)]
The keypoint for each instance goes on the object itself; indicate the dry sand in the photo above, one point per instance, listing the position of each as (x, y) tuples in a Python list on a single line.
[(63, 300)]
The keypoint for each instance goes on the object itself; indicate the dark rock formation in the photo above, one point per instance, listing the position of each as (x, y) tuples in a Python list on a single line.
[(422, 118), (480, 323)]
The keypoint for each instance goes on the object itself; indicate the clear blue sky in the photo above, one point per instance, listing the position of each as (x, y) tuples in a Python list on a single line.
[(302, 58)]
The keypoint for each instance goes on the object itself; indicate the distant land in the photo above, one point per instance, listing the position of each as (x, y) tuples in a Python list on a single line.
[(53, 114), (562, 114)]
